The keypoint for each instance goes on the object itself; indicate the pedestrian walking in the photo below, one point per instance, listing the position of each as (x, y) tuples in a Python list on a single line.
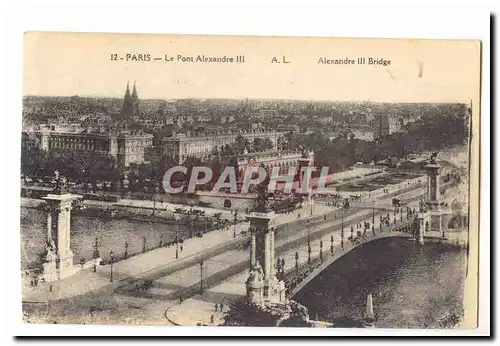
[(216, 306)]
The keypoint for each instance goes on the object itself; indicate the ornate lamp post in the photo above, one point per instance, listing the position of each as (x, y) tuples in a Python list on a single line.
[(342, 229), (126, 249), (311, 202), (321, 249), (308, 234), (201, 278), (279, 269), (331, 245), (235, 220), (308, 244), (297, 262), (352, 233), (143, 244), (111, 261), (176, 237), (373, 212), (176, 244), (95, 255)]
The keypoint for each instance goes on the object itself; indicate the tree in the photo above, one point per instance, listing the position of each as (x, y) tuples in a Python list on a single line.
[(240, 144), (33, 162)]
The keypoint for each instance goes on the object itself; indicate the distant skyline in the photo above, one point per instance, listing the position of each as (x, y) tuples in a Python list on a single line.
[(62, 64), (249, 99)]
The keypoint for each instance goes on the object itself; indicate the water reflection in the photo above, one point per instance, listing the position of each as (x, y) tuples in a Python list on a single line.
[(111, 235)]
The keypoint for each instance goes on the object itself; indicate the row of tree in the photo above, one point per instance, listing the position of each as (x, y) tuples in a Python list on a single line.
[(427, 133), (77, 166)]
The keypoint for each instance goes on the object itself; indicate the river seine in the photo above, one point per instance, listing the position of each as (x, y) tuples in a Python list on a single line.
[(412, 286), (111, 236)]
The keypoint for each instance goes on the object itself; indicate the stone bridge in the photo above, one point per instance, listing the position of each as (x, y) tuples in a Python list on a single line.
[(298, 277)]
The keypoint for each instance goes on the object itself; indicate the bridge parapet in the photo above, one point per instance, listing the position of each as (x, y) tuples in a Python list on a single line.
[(296, 278)]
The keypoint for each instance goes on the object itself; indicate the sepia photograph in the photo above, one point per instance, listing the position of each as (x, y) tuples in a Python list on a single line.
[(178, 180)]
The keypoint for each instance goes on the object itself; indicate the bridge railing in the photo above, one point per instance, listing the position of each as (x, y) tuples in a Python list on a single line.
[(294, 276)]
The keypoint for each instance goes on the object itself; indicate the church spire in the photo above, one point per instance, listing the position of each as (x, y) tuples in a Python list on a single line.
[(135, 101), (126, 99), (134, 93), (127, 109)]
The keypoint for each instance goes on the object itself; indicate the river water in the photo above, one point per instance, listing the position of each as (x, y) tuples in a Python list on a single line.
[(111, 234), (412, 286)]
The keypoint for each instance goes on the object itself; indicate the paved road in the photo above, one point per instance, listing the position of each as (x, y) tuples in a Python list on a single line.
[(186, 282)]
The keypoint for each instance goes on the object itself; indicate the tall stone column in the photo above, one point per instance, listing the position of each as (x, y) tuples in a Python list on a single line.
[(49, 227), (267, 256), (305, 161), (433, 204), (273, 254), (263, 253), (422, 218), (252, 249), (61, 205)]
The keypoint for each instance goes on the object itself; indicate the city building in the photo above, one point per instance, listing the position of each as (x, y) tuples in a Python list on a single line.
[(126, 148), (284, 160), (381, 126), (181, 146)]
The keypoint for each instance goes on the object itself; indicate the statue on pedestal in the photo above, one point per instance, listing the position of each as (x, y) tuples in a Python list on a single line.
[(433, 157), (299, 311), (261, 200), (257, 271), (304, 152), (50, 251), (60, 183)]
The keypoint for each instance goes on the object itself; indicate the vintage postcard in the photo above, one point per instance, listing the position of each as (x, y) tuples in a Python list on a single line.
[(250, 181)]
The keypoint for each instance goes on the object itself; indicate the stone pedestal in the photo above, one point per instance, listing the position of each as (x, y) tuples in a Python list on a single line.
[(255, 287), (262, 259), (59, 261), (50, 271), (423, 221), (303, 163), (433, 192)]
